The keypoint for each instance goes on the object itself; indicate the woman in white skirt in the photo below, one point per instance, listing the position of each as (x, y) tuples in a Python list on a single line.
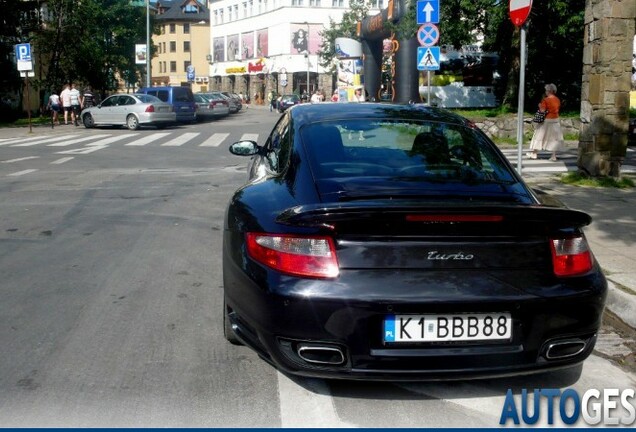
[(548, 135)]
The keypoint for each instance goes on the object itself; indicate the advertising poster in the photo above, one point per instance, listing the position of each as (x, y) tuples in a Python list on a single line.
[(219, 49), (247, 45), (140, 53), (305, 38), (233, 47), (261, 43)]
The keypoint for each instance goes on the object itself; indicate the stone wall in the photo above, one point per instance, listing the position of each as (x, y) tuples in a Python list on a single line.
[(506, 126)]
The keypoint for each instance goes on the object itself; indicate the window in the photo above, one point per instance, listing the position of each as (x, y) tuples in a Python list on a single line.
[(244, 9), (173, 46), (185, 65), (220, 16), (173, 66), (186, 28), (337, 3), (173, 28), (186, 46), (229, 13), (279, 146), (216, 17), (314, 3), (191, 8), (236, 15)]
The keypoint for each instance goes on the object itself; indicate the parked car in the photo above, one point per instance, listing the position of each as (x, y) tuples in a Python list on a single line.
[(180, 97), (396, 242), (236, 104), (130, 110), (287, 101), (212, 104)]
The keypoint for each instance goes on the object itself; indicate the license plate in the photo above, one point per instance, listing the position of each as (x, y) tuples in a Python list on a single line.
[(448, 328)]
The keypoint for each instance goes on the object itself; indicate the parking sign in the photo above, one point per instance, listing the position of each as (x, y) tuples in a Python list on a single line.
[(23, 52)]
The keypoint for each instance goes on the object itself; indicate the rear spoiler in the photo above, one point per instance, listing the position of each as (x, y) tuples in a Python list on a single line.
[(325, 214)]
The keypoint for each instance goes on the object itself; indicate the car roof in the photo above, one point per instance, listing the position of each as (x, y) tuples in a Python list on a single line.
[(309, 113)]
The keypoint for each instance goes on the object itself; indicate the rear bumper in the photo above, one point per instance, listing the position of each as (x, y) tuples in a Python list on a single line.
[(346, 315)]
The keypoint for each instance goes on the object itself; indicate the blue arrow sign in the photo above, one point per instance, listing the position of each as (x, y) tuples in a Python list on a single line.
[(428, 58), (427, 11), (23, 52)]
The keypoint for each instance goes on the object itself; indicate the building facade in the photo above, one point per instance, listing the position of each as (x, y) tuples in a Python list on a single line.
[(263, 45)]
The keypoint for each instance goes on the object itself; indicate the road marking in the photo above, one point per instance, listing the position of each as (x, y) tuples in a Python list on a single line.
[(62, 160), (300, 407), (9, 141), (180, 140), (215, 140), (148, 139), (43, 141), (78, 140), (19, 159), (249, 137), (98, 145), (19, 173)]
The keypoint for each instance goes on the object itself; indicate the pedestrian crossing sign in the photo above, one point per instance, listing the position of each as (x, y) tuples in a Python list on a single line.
[(428, 58)]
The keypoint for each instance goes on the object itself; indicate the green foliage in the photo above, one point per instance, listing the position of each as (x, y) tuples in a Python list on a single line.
[(90, 41), (347, 27), (580, 179)]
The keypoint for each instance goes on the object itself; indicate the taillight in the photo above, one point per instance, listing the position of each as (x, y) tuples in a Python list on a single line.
[(571, 256), (150, 108), (309, 256)]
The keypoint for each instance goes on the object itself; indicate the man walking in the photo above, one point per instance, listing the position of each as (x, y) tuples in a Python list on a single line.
[(76, 106), (66, 102)]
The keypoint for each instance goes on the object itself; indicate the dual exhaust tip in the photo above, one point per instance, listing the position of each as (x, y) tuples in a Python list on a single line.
[(321, 354), (565, 348)]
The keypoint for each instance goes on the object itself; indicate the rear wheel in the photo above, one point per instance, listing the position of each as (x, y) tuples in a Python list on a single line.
[(227, 326), (88, 121), (132, 123)]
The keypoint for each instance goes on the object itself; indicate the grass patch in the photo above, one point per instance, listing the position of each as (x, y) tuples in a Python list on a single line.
[(580, 179)]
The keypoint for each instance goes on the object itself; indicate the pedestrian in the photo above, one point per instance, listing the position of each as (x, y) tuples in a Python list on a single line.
[(270, 98), (76, 105), (66, 102), (54, 106), (88, 98), (357, 95), (548, 134), (315, 98), (335, 97)]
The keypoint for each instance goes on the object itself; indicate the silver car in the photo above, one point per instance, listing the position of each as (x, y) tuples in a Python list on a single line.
[(211, 104), (130, 110)]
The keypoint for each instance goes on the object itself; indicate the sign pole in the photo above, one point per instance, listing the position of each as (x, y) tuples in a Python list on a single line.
[(428, 82), (28, 101), (522, 85)]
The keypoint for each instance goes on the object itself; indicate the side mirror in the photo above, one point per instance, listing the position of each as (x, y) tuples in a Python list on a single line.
[(244, 148)]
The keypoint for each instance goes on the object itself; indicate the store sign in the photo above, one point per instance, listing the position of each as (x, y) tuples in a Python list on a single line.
[(257, 67), (235, 70)]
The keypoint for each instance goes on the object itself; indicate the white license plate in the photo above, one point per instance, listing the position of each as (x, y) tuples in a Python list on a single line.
[(448, 328)]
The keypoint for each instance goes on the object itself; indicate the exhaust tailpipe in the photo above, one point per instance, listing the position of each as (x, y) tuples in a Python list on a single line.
[(565, 348), (320, 354)]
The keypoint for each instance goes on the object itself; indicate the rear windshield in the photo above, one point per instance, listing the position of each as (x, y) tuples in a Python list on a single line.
[(182, 95), (147, 98), (404, 149)]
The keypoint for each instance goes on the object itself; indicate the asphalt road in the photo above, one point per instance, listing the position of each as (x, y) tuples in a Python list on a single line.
[(110, 279)]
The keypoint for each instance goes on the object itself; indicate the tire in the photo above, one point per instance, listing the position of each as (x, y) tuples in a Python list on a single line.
[(227, 326), (88, 121), (131, 122)]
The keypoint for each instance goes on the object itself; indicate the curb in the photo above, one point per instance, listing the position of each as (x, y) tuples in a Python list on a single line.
[(621, 304)]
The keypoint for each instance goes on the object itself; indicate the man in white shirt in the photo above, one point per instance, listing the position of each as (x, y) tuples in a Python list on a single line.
[(75, 104), (66, 102)]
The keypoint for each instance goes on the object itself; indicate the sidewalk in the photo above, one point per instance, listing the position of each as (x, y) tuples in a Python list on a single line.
[(611, 235)]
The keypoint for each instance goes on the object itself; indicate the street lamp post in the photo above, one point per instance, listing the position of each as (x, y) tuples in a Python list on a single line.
[(307, 55), (147, 43)]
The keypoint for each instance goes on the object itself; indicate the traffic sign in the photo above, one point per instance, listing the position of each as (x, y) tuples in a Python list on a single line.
[(190, 73), (427, 11), (23, 52), (428, 35), (519, 11), (428, 58)]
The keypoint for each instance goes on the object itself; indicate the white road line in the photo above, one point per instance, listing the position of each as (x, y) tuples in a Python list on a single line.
[(180, 140), (78, 140), (300, 407), (9, 141), (98, 145), (62, 160), (19, 173), (148, 139), (19, 159), (249, 137), (43, 141), (215, 140)]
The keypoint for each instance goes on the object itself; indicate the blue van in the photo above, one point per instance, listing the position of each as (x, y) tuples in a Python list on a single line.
[(180, 97)]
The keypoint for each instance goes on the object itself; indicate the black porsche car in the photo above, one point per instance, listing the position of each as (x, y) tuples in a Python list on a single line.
[(395, 242)]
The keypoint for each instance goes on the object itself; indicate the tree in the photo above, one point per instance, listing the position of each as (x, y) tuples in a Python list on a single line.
[(347, 28), (91, 41)]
